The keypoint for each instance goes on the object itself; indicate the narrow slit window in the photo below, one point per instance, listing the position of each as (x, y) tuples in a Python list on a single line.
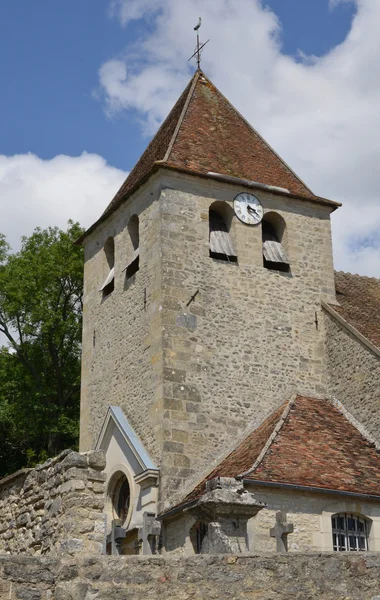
[(108, 285), (134, 264), (221, 247), (274, 255), (198, 533)]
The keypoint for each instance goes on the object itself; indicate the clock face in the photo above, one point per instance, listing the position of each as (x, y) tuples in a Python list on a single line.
[(248, 208)]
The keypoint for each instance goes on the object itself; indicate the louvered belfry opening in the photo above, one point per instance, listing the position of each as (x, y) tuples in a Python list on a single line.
[(221, 247), (109, 283), (273, 232), (134, 264)]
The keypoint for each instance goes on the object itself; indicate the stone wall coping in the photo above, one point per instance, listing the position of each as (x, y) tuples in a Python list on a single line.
[(313, 575), (14, 476), (333, 313), (24, 472), (91, 560)]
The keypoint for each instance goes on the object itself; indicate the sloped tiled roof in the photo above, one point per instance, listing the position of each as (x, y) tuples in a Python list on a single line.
[(204, 133), (155, 151), (307, 442), (359, 299)]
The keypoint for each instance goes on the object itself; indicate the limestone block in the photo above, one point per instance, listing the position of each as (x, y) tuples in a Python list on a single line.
[(74, 459), (71, 546), (97, 460)]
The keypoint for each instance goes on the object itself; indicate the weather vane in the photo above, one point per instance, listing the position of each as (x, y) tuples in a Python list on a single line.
[(200, 46)]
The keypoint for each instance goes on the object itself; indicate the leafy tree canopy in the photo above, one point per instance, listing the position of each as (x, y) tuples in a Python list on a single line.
[(41, 289)]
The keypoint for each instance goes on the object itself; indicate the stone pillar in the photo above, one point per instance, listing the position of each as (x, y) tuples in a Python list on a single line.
[(224, 510)]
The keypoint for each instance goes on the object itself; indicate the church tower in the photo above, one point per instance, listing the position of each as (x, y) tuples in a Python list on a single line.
[(203, 286)]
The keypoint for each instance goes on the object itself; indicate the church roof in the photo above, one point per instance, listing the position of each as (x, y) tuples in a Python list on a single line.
[(359, 300), (306, 442), (205, 134)]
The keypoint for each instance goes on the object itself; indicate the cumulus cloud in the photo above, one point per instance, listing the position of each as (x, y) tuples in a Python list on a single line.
[(320, 113), (44, 193)]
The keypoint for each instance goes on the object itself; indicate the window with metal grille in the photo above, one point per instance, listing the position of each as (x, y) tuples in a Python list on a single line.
[(221, 247), (350, 532)]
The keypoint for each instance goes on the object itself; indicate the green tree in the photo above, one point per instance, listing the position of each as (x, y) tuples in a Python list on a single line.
[(41, 289)]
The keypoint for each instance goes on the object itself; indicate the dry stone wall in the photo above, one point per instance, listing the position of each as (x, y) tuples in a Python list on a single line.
[(55, 508), (267, 577), (354, 375)]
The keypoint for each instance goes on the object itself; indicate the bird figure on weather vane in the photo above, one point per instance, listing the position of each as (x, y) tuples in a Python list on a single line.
[(200, 46)]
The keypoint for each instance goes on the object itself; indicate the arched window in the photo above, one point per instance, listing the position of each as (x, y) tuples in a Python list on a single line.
[(350, 532), (273, 235), (134, 263), (109, 283), (221, 247), (118, 507)]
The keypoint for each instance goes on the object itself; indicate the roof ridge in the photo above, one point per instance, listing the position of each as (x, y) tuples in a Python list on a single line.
[(353, 421), (357, 275), (364, 339), (182, 116), (271, 438), (258, 134)]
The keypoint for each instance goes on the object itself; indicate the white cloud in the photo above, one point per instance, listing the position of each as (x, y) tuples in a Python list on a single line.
[(131, 10), (36, 192), (334, 3), (320, 113)]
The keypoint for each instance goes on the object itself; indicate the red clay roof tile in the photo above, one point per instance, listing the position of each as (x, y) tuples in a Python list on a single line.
[(315, 446), (204, 133), (359, 299)]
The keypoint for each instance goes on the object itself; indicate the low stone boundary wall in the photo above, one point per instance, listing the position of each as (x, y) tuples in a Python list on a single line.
[(55, 508), (267, 577)]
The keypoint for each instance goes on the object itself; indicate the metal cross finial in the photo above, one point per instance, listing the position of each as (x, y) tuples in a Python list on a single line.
[(200, 46)]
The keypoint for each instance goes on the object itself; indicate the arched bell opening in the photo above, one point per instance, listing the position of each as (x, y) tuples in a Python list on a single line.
[(274, 240), (220, 220)]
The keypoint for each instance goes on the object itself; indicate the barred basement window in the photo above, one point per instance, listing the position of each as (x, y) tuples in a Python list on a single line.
[(350, 533), (273, 234), (221, 247), (109, 283), (134, 263)]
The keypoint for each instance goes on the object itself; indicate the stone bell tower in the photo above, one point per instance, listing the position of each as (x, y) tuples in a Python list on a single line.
[(203, 284)]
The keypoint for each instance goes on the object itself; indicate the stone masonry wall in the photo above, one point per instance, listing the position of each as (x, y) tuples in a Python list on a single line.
[(121, 342), (354, 375), (192, 349), (337, 576), (238, 339), (55, 508), (309, 512)]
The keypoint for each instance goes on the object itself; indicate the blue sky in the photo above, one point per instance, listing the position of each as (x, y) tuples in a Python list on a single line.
[(53, 52), (86, 82)]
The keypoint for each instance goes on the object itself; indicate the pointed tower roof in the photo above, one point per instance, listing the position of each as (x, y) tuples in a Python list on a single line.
[(204, 134)]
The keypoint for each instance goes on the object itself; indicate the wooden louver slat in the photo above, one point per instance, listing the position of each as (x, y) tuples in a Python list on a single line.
[(273, 250), (220, 240)]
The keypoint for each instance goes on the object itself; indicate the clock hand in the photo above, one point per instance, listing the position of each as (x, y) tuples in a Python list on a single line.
[(252, 210)]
